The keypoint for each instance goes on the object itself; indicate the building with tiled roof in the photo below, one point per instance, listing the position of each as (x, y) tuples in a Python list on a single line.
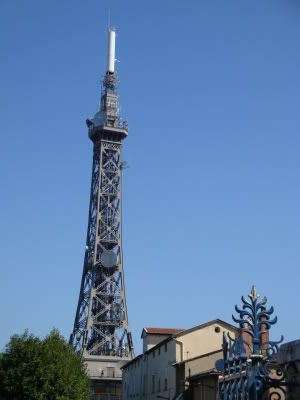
[(170, 357)]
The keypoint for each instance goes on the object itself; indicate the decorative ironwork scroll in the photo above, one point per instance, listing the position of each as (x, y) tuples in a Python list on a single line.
[(249, 369)]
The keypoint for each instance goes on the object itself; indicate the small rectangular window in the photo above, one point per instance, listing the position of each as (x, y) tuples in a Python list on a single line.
[(166, 384), (144, 384), (153, 383), (166, 346), (153, 354)]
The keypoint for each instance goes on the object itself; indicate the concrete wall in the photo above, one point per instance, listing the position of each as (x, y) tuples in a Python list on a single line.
[(289, 358), (205, 388), (150, 341)]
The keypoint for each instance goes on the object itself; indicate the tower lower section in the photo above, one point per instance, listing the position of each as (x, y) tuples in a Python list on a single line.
[(106, 377)]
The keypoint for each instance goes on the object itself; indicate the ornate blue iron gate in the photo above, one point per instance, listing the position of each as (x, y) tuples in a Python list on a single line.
[(249, 370)]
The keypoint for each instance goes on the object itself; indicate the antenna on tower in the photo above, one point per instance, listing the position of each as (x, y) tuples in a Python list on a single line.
[(111, 51)]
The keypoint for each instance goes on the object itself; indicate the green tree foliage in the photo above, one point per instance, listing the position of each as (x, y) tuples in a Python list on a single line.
[(49, 369)]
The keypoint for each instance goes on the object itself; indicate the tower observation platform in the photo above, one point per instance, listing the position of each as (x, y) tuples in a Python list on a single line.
[(101, 330)]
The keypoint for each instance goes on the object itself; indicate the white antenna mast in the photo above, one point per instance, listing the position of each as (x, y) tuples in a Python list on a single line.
[(111, 50)]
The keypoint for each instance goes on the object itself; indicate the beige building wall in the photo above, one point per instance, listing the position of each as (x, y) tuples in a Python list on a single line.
[(155, 373), (200, 364), (197, 341)]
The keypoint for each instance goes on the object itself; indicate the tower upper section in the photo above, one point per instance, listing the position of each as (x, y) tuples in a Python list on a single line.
[(107, 121)]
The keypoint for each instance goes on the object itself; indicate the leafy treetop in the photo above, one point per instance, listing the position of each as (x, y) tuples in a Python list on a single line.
[(35, 369)]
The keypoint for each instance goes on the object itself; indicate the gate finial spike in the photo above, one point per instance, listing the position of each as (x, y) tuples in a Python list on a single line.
[(254, 294)]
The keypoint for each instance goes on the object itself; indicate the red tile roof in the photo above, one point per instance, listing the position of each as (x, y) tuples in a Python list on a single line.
[(163, 331)]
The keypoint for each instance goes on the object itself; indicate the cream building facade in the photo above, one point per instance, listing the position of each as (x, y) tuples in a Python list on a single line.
[(171, 357)]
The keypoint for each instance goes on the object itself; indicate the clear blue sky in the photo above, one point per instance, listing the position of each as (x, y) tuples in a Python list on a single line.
[(211, 91)]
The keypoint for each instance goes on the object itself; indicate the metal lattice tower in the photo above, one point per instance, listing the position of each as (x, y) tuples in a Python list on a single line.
[(101, 323)]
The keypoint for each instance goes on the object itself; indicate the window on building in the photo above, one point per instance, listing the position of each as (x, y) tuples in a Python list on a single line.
[(144, 384), (153, 354), (158, 385), (113, 389), (166, 346), (159, 351), (153, 383), (166, 384)]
